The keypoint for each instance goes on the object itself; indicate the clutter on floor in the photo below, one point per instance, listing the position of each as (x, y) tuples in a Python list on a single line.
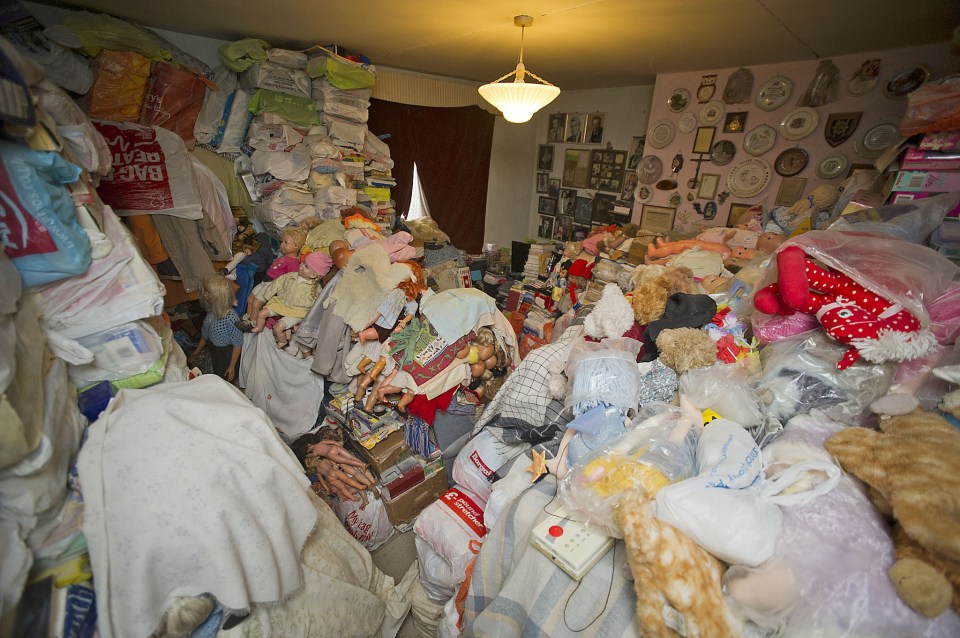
[(230, 371)]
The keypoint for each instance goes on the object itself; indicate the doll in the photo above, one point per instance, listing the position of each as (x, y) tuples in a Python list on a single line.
[(291, 295), (401, 300), (765, 243), (291, 241), (219, 333), (488, 364)]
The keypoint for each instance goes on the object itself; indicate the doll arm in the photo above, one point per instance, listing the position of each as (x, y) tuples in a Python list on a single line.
[(196, 351), (232, 368)]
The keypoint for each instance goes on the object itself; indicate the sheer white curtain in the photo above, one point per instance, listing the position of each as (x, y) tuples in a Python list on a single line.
[(418, 201)]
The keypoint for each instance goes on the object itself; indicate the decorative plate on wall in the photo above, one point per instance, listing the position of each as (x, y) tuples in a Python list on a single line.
[(687, 122), (649, 169), (791, 161), (759, 140), (877, 138), (831, 166), (739, 86), (774, 93), (748, 177), (904, 81), (661, 133), (711, 113), (799, 123), (722, 152), (679, 100)]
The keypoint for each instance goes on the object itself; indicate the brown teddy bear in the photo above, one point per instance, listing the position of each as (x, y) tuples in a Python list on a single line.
[(682, 349), (912, 467), (677, 581), (649, 298)]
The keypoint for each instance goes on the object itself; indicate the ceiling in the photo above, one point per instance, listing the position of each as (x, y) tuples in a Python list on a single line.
[(574, 44)]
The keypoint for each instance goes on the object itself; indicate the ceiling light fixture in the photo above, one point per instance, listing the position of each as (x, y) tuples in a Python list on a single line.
[(519, 100)]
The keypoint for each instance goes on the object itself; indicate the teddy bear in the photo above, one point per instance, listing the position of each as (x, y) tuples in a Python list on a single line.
[(649, 297), (912, 467), (677, 582), (875, 328), (682, 349)]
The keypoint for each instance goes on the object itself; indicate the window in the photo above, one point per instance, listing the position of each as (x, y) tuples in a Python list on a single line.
[(418, 202)]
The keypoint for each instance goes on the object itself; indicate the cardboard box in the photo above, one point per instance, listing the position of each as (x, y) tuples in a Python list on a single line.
[(638, 250), (915, 159), (404, 508), (933, 181), (384, 454)]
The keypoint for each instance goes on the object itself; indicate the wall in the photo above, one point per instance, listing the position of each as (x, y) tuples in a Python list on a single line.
[(874, 105), (627, 110)]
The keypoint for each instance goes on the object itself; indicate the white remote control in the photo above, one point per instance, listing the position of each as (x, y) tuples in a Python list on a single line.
[(574, 546)]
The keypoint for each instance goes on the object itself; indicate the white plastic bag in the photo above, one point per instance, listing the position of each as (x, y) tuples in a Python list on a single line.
[(436, 574), (479, 459), (369, 523), (453, 527), (727, 508)]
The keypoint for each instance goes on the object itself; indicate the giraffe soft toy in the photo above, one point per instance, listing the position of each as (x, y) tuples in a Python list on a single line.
[(874, 327)]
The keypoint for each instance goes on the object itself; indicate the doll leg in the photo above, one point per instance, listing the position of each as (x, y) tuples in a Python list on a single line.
[(364, 363), (261, 320), (368, 334), (386, 386), (405, 400), (280, 333), (369, 377)]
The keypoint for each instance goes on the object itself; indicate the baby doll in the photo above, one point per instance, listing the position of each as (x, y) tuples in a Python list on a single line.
[(219, 333), (291, 241), (291, 295), (487, 362), (738, 251), (401, 300), (603, 239)]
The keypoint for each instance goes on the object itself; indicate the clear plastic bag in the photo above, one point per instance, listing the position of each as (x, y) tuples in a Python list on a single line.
[(604, 372), (910, 221), (657, 448), (800, 374), (935, 106)]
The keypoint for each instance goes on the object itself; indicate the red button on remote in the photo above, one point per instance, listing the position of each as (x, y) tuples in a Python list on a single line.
[(555, 531)]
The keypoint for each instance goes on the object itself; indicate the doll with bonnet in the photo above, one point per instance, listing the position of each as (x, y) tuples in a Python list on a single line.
[(291, 242), (291, 296)]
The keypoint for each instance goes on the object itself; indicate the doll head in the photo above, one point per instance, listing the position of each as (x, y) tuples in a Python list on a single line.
[(292, 240), (769, 242), (416, 284), (317, 264), (340, 252), (216, 295), (713, 284), (631, 230)]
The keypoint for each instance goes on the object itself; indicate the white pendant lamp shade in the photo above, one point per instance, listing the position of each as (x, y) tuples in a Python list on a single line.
[(519, 100)]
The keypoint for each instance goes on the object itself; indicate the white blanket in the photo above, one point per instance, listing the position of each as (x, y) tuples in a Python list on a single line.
[(188, 489)]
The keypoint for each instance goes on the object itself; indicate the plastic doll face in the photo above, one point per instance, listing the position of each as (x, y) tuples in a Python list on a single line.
[(289, 246), (306, 273)]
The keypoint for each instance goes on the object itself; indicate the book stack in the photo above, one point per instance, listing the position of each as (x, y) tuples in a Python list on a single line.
[(537, 260)]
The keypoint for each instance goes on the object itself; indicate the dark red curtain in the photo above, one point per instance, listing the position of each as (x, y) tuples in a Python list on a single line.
[(451, 147)]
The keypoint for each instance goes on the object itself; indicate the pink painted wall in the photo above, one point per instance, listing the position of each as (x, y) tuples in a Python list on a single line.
[(876, 107)]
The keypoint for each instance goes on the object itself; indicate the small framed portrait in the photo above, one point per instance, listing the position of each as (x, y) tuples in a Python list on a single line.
[(735, 122), (556, 127), (543, 182), (545, 157), (596, 122), (738, 212), (703, 142), (554, 188), (603, 208), (546, 227), (583, 211), (708, 186), (657, 219), (579, 232), (636, 152), (568, 202), (576, 127), (547, 206), (791, 189), (562, 228), (576, 168)]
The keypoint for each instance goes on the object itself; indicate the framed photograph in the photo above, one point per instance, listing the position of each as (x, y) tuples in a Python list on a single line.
[(583, 210), (554, 189), (735, 122), (579, 232), (635, 154), (657, 219), (791, 189), (545, 157), (596, 122), (576, 126), (543, 182), (556, 127), (630, 183), (606, 172), (708, 186), (603, 208), (562, 228), (737, 213), (546, 227), (547, 206), (568, 202), (576, 168), (703, 142)]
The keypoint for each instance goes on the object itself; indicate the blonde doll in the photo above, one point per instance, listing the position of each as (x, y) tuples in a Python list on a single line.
[(291, 296), (219, 333)]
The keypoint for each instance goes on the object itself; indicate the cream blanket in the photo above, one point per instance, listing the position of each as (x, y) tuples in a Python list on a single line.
[(188, 489)]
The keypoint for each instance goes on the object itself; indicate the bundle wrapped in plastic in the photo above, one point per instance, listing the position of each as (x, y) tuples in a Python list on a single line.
[(657, 448), (604, 372)]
